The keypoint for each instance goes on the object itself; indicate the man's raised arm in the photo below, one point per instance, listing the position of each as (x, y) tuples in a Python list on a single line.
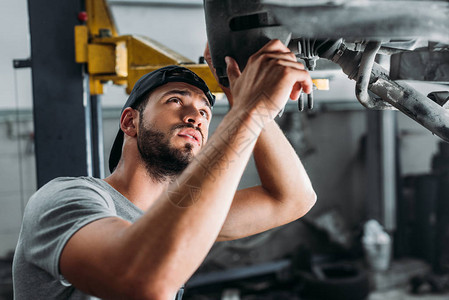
[(286, 192)]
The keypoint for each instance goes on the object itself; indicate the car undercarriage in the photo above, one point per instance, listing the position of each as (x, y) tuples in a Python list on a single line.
[(413, 35)]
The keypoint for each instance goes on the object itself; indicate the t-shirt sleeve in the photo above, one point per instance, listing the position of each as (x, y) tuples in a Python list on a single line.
[(55, 213)]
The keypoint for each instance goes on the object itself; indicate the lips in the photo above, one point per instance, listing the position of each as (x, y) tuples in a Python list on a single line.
[(191, 134)]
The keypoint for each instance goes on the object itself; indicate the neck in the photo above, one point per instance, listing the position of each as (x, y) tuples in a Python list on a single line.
[(137, 185)]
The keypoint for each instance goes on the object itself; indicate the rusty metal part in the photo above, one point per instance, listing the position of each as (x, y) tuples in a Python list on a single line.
[(415, 105), (392, 94), (349, 62)]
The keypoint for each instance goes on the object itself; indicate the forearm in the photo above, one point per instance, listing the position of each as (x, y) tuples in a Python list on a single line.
[(186, 220), (280, 169)]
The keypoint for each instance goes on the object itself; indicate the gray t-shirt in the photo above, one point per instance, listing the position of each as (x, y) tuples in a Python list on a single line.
[(53, 214)]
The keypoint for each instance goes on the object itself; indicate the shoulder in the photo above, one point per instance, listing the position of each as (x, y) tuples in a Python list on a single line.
[(66, 203), (72, 185), (64, 191), (71, 182), (58, 210)]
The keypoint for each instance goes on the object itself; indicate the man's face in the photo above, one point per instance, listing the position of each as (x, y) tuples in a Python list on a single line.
[(173, 128)]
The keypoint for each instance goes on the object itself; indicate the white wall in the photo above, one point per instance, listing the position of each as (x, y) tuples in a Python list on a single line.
[(16, 161), (15, 86)]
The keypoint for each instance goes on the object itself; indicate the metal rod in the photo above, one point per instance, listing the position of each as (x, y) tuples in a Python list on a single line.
[(389, 161), (394, 94), (301, 102), (310, 100), (97, 136), (364, 74), (415, 105)]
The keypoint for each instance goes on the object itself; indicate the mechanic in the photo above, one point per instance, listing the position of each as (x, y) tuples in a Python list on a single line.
[(143, 231)]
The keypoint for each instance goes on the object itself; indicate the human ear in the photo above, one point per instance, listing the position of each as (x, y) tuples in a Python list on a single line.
[(129, 121)]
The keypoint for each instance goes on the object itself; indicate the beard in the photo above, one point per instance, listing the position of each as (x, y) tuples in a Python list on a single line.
[(162, 161)]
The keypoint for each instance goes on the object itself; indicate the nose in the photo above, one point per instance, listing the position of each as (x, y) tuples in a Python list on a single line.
[(192, 115)]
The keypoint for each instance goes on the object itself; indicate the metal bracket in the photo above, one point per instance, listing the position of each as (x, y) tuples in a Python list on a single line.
[(21, 63)]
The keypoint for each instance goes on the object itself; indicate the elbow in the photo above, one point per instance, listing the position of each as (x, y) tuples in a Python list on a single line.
[(303, 203), (150, 292), (158, 294), (311, 200), (149, 289), (308, 201)]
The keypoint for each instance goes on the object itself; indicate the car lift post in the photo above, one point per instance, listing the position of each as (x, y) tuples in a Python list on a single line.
[(61, 102)]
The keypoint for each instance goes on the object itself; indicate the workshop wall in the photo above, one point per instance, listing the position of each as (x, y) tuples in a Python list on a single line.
[(17, 163), (17, 177), (15, 85)]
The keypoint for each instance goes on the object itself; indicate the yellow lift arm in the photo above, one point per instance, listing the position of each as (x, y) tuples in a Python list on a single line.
[(123, 59)]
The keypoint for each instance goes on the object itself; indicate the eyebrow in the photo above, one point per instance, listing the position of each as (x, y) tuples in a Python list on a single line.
[(186, 93)]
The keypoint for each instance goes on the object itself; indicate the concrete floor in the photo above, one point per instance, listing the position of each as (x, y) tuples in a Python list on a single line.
[(404, 294), (394, 294), (394, 284)]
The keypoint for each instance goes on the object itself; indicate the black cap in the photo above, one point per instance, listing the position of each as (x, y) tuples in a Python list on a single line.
[(146, 84)]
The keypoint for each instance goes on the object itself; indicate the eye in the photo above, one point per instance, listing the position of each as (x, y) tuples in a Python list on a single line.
[(204, 113), (174, 100)]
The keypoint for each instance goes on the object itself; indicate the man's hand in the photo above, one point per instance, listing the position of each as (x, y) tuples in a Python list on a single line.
[(274, 50), (271, 76)]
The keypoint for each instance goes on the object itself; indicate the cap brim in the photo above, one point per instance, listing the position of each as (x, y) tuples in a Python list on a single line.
[(116, 151)]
